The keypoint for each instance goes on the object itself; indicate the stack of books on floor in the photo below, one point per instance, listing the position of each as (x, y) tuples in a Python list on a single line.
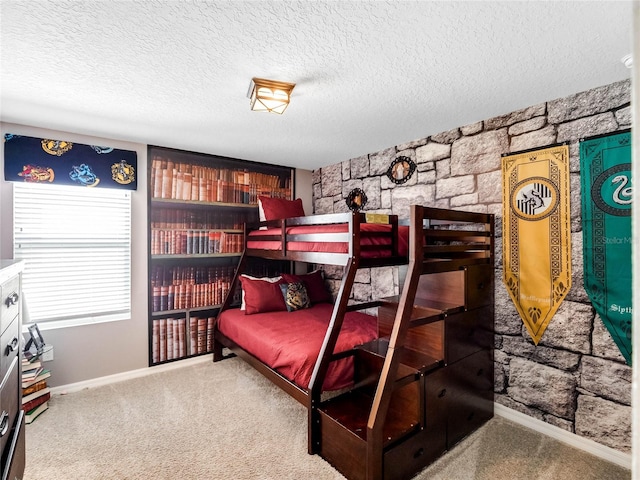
[(35, 392)]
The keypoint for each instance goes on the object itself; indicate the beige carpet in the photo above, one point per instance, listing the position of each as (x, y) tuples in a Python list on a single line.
[(225, 421)]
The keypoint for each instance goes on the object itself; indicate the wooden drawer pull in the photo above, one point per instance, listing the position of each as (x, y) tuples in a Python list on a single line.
[(442, 393), (4, 423), (418, 453)]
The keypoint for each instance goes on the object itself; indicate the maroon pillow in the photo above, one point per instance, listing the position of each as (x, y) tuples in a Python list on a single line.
[(277, 208), (262, 296), (314, 283)]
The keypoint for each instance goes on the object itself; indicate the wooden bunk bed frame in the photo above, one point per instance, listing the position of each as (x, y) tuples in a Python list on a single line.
[(351, 260), (427, 382)]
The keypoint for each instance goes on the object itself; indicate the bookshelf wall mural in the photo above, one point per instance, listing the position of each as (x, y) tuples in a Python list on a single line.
[(48, 161), (199, 204)]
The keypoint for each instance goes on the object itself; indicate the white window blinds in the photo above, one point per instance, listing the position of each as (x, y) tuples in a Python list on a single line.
[(76, 243)]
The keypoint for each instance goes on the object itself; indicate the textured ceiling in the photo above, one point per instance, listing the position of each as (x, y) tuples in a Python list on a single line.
[(369, 74)]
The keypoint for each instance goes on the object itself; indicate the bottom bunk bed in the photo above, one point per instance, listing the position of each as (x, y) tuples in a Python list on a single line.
[(288, 343)]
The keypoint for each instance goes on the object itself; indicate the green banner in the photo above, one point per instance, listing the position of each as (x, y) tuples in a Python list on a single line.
[(605, 166)]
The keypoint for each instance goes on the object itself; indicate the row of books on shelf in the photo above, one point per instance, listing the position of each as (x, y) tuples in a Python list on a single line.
[(182, 297), (178, 288), (180, 275), (181, 181), (35, 391), (201, 219), (171, 340), (195, 242), (234, 174)]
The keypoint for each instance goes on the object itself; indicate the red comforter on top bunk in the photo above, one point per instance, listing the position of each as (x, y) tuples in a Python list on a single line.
[(289, 342), (375, 241)]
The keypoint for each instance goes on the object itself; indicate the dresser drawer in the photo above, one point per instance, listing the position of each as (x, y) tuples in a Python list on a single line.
[(14, 458), (9, 403), (9, 346), (10, 291)]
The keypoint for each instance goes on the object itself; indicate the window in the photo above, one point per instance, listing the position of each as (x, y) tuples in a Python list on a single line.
[(76, 244)]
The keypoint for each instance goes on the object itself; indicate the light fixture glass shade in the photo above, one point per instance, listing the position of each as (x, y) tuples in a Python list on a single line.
[(269, 95)]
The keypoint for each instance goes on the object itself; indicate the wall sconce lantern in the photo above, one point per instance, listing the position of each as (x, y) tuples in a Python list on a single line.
[(269, 95)]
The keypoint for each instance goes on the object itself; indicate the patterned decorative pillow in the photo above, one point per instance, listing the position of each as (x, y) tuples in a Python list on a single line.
[(295, 296), (314, 282)]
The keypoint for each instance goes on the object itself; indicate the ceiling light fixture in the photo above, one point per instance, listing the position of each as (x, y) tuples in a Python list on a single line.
[(627, 60), (269, 95)]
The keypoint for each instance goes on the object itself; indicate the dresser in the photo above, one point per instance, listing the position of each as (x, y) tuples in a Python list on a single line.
[(12, 435)]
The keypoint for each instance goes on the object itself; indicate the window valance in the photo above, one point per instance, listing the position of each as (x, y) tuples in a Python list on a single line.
[(42, 160)]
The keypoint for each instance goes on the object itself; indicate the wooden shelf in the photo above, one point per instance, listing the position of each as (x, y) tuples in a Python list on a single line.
[(187, 256), (170, 202), (179, 311), (226, 230)]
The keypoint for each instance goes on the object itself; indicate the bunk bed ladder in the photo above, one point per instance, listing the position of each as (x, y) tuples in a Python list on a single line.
[(335, 324), (217, 347)]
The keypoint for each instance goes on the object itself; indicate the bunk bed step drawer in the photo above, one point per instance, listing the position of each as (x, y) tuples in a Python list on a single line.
[(479, 286), (468, 332), (345, 450), (470, 402), (343, 426), (412, 455)]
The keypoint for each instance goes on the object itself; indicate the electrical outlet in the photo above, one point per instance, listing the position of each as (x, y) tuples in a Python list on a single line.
[(47, 355)]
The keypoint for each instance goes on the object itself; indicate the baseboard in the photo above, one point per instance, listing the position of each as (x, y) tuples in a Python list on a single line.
[(131, 374), (571, 439)]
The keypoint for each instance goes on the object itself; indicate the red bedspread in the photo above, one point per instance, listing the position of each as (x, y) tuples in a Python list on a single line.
[(375, 241), (289, 342)]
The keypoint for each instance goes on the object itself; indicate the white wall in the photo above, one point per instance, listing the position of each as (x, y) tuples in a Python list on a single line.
[(304, 191)]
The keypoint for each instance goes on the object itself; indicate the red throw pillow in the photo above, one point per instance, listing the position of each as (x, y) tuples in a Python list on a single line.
[(278, 208), (262, 296), (314, 283)]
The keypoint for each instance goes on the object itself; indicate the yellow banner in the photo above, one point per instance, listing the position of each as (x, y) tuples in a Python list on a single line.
[(536, 233)]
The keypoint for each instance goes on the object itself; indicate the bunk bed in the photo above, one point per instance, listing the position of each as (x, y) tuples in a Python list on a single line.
[(325, 334), (391, 415)]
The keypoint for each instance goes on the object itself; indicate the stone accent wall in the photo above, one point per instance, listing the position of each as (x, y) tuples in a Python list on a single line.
[(576, 377)]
